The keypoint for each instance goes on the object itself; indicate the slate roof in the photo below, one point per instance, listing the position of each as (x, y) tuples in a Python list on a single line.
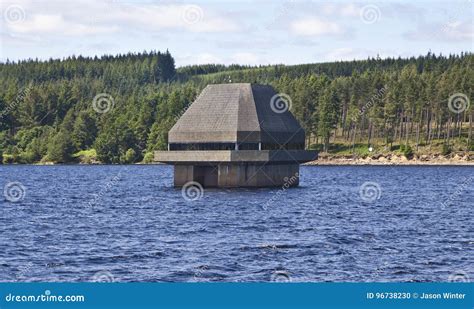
[(236, 113)]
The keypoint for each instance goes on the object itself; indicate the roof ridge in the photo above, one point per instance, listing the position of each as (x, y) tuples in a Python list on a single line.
[(255, 108)]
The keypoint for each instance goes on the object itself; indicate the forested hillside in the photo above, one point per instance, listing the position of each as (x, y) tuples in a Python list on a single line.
[(118, 109)]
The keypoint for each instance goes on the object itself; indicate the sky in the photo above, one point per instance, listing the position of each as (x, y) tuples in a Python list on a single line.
[(242, 32)]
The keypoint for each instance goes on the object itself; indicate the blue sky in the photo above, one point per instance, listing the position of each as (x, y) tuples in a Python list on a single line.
[(244, 32)]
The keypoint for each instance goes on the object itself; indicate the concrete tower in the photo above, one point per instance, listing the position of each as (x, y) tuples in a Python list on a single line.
[(237, 135)]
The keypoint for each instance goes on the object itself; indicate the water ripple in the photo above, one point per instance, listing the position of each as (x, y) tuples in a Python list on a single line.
[(76, 221)]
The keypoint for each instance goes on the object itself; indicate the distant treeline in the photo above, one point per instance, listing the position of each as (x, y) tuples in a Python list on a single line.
[(123, 106)]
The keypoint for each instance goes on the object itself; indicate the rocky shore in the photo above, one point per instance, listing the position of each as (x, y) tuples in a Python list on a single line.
[(466, 158)]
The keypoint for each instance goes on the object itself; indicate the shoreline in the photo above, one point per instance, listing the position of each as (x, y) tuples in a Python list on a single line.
[(460, 159), (394, 160), (325, 162)]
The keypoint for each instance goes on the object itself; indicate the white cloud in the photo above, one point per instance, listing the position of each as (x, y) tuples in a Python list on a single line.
[(56, 24), (350, 10), (338, 9), (246, 58), (253, 42), (84, 17), (200, 58), (315, 27), (448, 31), (236, 58), (180, 17), (346, 53), (351, 53), (219, 32), (328, 8)]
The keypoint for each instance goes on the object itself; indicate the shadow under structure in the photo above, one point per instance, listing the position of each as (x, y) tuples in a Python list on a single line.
[(237, 135)]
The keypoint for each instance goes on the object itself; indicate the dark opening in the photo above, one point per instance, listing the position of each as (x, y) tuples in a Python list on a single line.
[(288, 146), (231, 146), (206, 175)]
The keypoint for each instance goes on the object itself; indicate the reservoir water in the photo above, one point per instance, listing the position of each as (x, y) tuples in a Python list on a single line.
[(127, 223)]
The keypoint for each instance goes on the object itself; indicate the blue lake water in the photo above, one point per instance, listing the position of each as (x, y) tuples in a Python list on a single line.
[(127, 223)]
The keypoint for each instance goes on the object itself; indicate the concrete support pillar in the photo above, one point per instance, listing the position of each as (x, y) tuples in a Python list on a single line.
[(239, 175), (233, 175), (183, 174)]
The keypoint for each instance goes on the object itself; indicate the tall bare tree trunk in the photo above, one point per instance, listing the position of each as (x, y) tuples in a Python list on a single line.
[(354, 138), (406, 131), (400, 134), (418, 135), (469, 137), (369, 133), (428, 127), (461, 121)]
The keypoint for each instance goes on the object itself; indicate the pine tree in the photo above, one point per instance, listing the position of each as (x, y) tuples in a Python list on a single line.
[(84, 131), (60, 148)]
